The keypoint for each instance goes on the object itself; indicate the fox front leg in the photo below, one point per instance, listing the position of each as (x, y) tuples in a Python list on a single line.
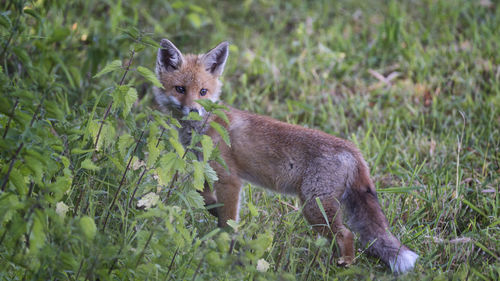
[(210, 200), (227, 191)]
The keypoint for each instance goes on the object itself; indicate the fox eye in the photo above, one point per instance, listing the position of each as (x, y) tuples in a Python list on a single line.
[(203, 92), (180, 89)]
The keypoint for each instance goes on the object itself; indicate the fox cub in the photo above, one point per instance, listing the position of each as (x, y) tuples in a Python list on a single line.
[(282, 157)]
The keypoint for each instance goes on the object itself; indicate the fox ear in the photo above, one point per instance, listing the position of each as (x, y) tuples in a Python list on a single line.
[(169, 57), (215, 59)]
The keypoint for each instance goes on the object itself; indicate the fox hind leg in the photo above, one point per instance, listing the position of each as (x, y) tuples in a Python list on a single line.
[(334, 227)]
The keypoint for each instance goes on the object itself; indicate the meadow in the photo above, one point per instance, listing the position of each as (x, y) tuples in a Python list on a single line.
[(96, 186)]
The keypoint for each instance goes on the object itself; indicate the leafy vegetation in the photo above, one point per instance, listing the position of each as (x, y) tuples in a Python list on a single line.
[(95, 184)]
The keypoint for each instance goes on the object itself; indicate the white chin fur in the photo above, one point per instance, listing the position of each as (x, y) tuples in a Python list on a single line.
[(404, 262)]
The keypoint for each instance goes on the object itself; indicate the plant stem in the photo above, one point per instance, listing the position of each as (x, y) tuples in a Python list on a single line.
[(108, 109), (144, 249), (37, 110), (172, 262), (122, 180), (10, 118), (12, 161), (174, 178), (11, 35), (115, 260), (79, 269), (198, 268), (135, 189), (141, 176)]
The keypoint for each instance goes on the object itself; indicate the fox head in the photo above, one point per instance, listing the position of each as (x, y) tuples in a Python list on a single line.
[(187, 78)]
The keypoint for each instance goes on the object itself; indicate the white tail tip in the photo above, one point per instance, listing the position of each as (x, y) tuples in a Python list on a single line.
[(404, 261)]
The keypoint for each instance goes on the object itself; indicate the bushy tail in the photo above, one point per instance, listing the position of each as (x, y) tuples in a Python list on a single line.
[(367, 219), (391, 251)]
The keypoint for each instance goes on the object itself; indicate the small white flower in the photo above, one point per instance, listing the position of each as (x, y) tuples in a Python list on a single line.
[(262, 265), (137, 164), (149, 200), (61, 209)]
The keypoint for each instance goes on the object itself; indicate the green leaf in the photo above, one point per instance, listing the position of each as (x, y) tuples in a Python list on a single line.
[(169, 163), (23, 56), (76, 151), (36, 167), (68, 260), (59, 33), (154, 152), (66, 162), (119, 96), (197, 9), (37, 237), (54, 110), (89, 165), (132, 31), (112, 66), (210, 174), (194, 199), (60, 186), (195, 20), (193, 116), (214, 259), (320, 242), (198, 175), (9, 204), (262, 243), (253, 210), (5, 21), (124, 143), (172, 161), (34, 153), (129, 98), (88, 228), (178, 5), (221, 114), (177, 146), (208, 146), (322, 209), (108, 134), (223, 242), (403, 189), (150, 76), (149, 41), (5, 106), (222, 132), (138, 47), (118, 162), (234, 225), (18, 181), (207, 104), (32, 13), (211, 234)]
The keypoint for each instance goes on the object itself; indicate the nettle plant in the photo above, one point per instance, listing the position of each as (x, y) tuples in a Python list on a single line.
[(94, 183), (75, 164)]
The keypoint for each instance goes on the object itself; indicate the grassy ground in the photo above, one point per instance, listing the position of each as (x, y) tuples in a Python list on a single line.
[(416, 85)]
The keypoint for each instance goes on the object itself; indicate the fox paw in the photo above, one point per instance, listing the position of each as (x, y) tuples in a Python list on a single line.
[(345, 262)]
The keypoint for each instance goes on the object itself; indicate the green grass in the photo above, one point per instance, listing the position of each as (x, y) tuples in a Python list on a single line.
[(415, 84)]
